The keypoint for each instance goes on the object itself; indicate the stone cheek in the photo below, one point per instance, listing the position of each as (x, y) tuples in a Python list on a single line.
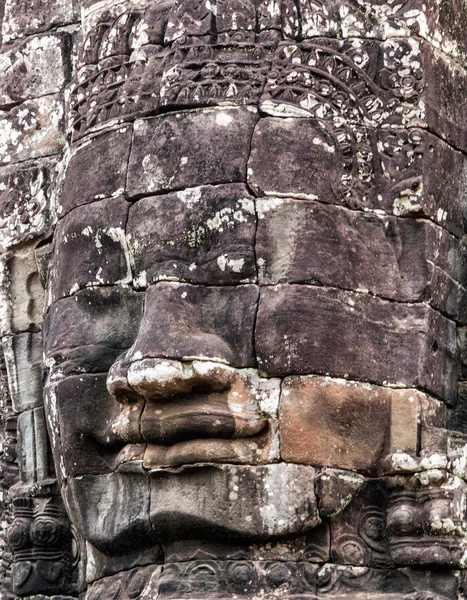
[(345, 424), (305, 329)]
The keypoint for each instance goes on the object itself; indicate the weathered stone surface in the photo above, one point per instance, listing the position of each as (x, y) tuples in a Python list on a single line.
[(96, 170), (402, 259), (304, 329), (114, 511), (418, 509), (165, 435), (24, 204), (225, 414), (31, 130), (200, 235), (97, 236), (163, 156), (23, 18), (23, 356), (34, 458), (42, 541), (233, 579), (335, 490), (36, 67), (398, 171), (367, 83), (86, 437), (219, 499), (345, 424), (26, 293), (198, 322), (338, 582), (359, 534), (111, 316)]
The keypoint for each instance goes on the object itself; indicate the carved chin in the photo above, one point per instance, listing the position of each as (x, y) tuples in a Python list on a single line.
[(241, 502), (125, 510)]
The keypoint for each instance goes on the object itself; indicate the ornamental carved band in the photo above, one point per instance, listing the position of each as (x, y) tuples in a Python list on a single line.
[(233, 299)]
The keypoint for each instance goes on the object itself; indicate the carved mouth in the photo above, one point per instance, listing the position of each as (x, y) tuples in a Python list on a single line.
[(169, 434), (246, 450)]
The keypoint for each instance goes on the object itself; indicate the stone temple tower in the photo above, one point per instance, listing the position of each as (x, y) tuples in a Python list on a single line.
[(233, 299)]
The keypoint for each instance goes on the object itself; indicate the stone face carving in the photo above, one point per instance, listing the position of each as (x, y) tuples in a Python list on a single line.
[(245, 374)]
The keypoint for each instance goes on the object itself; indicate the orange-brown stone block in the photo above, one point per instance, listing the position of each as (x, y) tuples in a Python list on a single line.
[(347, 424)]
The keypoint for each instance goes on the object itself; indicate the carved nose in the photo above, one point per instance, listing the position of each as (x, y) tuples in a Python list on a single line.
[(156, 378)]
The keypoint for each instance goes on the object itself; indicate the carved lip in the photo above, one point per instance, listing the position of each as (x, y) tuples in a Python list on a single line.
[(241, 450), (186, 432)]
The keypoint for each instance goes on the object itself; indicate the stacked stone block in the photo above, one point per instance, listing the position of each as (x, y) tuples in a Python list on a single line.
[(266, 198), (36, 56)]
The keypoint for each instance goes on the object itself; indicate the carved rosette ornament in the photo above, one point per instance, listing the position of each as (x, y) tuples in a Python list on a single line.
[(233, 299)]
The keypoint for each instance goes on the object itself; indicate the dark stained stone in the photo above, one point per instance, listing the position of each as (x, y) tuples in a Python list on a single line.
[(303, 329), (276, 168), (445, 96), (95, 233), (197, 321), (113, 511), (219, 512), (359, 534), (85, 327), (86, 413), (401, 172), (406, 260), (164, 158), (200, 235), (97, 170)]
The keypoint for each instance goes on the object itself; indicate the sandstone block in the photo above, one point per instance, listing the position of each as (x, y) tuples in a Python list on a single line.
[(163, 157), (86, 412), (198, 322), (220, 499), (400, 172), (113, 512), (303, 329), (23, 358), (200, 235), (24, 204), (23, 18), (406, 260), (90, 329), (96, 170), (34, 68), (345, 424), (32, 130), (95, 233)]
